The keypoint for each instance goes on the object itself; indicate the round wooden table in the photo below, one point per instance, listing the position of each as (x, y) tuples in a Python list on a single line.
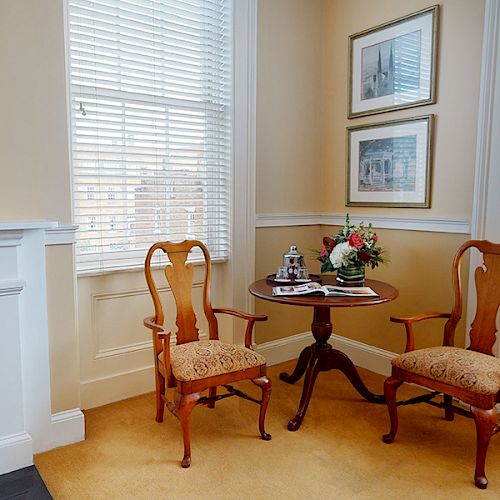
[(320, 356)]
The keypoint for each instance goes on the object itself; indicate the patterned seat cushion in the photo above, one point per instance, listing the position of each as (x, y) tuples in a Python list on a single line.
[(458, 367), (208, 358)]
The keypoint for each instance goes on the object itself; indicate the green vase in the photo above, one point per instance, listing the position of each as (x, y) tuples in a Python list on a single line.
[(354, 274)]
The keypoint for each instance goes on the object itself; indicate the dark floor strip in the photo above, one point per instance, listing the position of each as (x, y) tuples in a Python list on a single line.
[(23, 484)]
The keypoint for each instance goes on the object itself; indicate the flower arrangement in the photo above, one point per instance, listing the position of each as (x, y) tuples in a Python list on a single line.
[(352, 246)]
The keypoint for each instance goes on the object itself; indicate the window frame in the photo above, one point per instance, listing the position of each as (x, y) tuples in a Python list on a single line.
[(93, 194)]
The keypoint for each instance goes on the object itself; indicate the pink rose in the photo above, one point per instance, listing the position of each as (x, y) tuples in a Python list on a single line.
[(324, 252), (375, 238), (356, 241)]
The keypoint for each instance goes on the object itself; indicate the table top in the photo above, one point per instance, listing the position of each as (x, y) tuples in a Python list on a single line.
[(263, 289)]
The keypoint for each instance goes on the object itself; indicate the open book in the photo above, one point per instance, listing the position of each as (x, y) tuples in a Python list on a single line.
[(314, 288)]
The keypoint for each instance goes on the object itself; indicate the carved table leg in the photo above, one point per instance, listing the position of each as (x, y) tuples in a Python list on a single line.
[(316, 357), (340, 361), (320, 357), (300, 368), (312, 373)]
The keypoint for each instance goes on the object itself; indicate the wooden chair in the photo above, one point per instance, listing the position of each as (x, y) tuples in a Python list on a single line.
[(470, 375), (193, 365)]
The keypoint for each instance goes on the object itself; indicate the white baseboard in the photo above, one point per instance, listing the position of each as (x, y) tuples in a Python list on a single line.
[(364, 355), (16, 452), (104, 390), (281, 350), (68, 427)]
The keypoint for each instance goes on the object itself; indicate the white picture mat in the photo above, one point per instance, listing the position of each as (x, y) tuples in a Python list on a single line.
[(417, 128), (425, 25)]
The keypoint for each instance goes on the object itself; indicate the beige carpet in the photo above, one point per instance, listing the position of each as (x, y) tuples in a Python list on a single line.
[(337, 453)]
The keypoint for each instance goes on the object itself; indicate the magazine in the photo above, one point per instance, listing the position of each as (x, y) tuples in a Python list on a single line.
[(314, 288)]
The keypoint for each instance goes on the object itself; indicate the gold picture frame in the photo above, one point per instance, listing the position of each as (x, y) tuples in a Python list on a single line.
[(393, 65), (389, 164)]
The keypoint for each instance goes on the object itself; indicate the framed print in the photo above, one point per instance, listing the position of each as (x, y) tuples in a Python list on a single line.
[(393, 66), (389, 164)]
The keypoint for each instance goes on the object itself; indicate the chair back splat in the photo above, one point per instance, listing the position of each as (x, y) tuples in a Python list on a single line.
[(487, 281), (179, 274)]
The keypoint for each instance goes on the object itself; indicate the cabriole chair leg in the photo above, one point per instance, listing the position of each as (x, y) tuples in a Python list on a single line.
[(265, 384), (390, 388), (185, 404), (485, 421)]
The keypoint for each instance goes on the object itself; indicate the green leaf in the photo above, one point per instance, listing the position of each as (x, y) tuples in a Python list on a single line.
[(326, 266)]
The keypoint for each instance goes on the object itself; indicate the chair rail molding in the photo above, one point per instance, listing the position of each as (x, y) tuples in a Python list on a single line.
[(26, 423), (432, 224)]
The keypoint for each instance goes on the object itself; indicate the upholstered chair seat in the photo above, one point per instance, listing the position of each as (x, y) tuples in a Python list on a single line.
[(470, 370), (209, 358)]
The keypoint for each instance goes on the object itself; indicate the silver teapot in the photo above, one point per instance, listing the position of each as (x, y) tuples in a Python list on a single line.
[(293, 267)]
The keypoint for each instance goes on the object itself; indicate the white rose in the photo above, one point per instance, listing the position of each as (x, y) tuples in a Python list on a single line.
[(339, 254)]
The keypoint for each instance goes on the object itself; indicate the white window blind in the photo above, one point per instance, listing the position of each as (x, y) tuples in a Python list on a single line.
[(151, 94)]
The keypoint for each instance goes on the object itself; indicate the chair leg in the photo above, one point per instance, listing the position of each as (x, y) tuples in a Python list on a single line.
[(212, 392), (449, 414), (485, 421), (390, 387), (265, 384), (160, 392), (184, 404)]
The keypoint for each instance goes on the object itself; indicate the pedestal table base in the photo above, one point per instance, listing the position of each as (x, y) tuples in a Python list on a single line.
[(321, 357)]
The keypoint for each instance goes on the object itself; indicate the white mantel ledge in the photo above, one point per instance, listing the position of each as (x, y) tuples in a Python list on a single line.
[(19, 225), (11, 287)]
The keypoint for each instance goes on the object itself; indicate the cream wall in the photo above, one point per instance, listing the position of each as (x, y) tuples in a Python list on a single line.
[(284, 105), (289, 118), (458, 77), (34, 162), (33, 129), (289, 130)]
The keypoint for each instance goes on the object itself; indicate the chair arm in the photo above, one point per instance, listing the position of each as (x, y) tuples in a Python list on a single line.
[(419, 317), (149, 322), (408, 322), (251, 318), (242, 315), (161, 341)]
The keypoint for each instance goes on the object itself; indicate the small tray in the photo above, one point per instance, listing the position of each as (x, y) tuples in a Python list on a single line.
[(272, 279)]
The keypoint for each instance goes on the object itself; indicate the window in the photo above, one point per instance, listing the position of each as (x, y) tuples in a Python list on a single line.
[(151, 126)]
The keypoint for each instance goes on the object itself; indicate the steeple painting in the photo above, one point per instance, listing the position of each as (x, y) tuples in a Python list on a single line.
[(379, 77)]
